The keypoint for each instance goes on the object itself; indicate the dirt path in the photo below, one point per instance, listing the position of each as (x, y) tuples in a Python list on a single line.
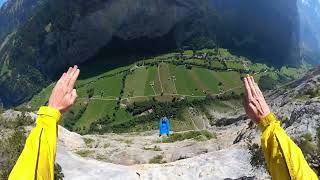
[(102, 99), (159, 76), (173, 81), (154, 91), (165, 94)]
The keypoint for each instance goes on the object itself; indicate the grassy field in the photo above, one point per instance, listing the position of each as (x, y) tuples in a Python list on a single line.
[(135, 83), (184, 82), (95, 110), (167, 78), (109, 87), (205, 80), (149, 85), (230, 80), (41, 98)]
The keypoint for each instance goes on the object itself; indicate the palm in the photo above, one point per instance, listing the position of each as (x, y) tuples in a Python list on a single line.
[(254, 102), (64, 95)]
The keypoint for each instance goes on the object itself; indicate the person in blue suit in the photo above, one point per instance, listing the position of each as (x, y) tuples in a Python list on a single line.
[(164, 126)]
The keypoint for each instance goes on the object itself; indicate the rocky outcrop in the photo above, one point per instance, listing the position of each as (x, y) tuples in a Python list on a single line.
[(233, 163), (297, 106), (230, 120)]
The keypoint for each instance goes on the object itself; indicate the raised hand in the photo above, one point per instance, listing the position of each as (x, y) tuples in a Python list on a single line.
[(64, 95), (255, 105)]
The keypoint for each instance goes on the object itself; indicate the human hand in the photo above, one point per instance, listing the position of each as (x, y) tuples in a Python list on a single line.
[(63, 94), (255, 105)]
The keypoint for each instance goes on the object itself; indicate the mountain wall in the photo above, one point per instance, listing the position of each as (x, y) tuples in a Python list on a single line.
[(56, 34), (309, 13), (14, 14)]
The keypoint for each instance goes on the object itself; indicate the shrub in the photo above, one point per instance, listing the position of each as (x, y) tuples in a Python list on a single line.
[(200, 138), (90, 92), (157, 160), (106, 145), (267, 83), (310, 150), (208, 134), (88, 141), (312, 93), (189, 66), (58, 174), (257, 157), (83, 153), (155, 148), (128, 141), (306, 144), (196, 135)]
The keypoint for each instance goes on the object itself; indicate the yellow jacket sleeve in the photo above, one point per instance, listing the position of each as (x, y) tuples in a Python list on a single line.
[(284, 158), (38, 156)]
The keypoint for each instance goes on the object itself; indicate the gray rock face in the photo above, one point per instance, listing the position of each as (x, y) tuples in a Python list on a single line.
[(124, 19), (299, 113)]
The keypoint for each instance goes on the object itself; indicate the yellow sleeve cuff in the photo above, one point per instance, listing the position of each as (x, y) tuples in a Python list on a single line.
[(51, 112), (266, 121)]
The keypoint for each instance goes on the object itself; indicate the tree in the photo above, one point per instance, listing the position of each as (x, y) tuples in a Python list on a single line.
[(189, 66), (58, 174), (194, 52), (90, 92), (267, 83)]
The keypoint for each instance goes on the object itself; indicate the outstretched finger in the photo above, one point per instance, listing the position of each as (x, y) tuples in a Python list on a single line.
[(61, 78), (254, 109), (69, 78), (247, 88), (245, 104), (73, 96), (74, 77), (252, 86), (66, 78), (258, 89)]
